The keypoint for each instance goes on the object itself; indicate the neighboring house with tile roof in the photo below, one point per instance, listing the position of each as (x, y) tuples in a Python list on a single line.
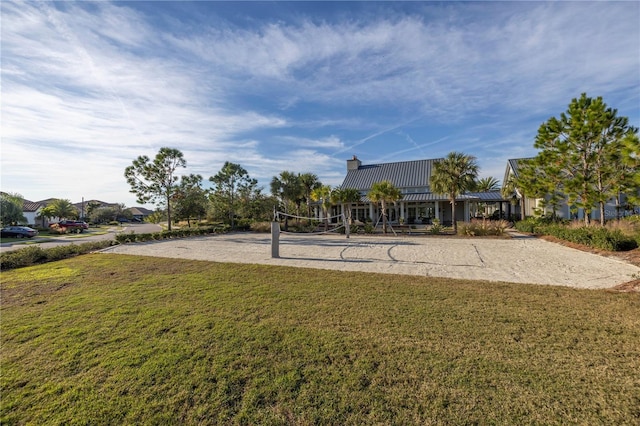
[(31, 211), (140, 213), (418, 204), (83, 206)]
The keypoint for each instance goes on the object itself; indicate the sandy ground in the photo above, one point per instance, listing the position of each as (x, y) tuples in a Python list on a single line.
[(519, 260)]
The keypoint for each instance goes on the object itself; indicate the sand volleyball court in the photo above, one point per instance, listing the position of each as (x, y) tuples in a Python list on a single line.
[(519, 260)]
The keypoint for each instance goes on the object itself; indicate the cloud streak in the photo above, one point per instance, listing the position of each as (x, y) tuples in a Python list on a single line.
[(105, 82)]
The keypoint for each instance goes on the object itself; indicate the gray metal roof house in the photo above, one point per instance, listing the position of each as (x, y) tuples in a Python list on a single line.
[(418, 204)]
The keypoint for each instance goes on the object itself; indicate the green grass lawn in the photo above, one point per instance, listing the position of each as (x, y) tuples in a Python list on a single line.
[(115, 339)]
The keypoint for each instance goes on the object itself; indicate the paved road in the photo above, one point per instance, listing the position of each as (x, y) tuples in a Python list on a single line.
[(92, 234)]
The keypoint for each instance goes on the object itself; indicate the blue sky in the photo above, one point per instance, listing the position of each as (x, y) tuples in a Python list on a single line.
[(300, 86)]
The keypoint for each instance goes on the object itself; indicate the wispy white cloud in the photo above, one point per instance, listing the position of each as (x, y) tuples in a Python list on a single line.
[(328, 142), (442, 67), (109, 81)]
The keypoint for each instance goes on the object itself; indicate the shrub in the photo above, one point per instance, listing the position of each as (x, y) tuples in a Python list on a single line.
[(629, 225), (33, 255), (534, 225), (436, 228), (176, 233), (477, 227), (500, 226), (527, 225), (126, 238), (243, 224), (606, 239), (610, 238), (369, 228), (20, 258), (57, 229)]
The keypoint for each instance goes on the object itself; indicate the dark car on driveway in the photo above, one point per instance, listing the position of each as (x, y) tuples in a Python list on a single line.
[(70, 225), (18, 232)]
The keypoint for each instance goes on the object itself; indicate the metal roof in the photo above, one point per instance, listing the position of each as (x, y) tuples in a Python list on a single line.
[(513, 166), (429, 197), (403, 174), (412, 175), (487, 196)]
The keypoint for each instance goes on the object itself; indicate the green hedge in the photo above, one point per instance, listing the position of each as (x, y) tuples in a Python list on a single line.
[(33, 255), (592, 236), (166, 235)]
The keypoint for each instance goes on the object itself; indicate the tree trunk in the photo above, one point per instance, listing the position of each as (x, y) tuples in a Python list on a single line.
[(326, 220), (384, 217), (169, 211), (232, 214), (453, 215), (602, 213), (286, 217)]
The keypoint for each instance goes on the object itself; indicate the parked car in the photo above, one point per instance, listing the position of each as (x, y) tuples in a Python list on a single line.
[(70, 225), (18, 232)]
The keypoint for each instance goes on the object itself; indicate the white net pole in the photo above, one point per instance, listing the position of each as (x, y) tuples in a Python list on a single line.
[(275, 239)]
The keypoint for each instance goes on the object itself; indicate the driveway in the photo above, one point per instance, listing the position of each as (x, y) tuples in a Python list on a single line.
[(92, 234)]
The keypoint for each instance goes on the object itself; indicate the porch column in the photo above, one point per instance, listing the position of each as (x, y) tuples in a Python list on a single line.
[(371, 212), (402, 210), (437, 211), (466, 211)]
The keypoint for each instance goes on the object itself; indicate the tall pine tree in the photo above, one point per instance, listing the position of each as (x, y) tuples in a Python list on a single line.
[(577, 153)]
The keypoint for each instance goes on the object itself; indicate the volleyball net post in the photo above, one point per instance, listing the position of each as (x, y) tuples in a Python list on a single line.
[(275, 240)]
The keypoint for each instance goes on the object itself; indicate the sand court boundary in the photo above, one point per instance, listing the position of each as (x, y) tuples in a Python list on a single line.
[(517, 260)]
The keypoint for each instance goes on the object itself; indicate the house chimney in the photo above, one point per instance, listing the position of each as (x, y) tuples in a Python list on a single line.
[(353, 164)]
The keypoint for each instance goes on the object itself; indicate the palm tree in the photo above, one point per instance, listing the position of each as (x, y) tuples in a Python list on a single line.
[(345, 197), (487, 184), (384, 192), (309, 182), (287, 188), (62, 209), (323, 194), (452, 176), (11, 208)]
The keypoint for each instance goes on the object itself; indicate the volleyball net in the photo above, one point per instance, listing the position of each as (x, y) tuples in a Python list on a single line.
[(337, 227)]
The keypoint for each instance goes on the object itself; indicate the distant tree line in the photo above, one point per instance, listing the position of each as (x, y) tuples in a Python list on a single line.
[(586, 157)]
